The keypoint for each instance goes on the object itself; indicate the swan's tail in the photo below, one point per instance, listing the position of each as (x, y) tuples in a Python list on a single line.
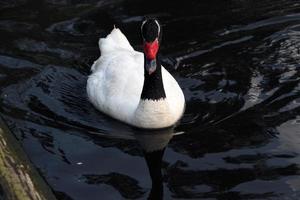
[(115, 40)]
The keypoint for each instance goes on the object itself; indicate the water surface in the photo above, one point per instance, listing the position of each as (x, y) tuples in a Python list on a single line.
[(237, 62)]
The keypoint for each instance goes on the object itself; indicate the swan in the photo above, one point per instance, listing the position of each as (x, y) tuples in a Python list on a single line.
[(132, 86)]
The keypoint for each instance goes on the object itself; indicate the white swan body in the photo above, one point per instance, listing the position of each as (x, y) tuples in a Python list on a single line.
[(116, 84)]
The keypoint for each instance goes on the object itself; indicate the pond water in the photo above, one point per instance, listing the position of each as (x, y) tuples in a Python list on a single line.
[(237, 61)]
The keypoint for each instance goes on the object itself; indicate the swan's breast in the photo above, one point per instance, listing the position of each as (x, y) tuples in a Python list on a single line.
[(153, 114)]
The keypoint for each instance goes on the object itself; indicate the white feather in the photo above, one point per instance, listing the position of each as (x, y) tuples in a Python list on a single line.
[(116, 83)]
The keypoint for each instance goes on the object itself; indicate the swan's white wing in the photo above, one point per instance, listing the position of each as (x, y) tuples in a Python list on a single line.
[(174, 94), (115, 87), (117, 80)]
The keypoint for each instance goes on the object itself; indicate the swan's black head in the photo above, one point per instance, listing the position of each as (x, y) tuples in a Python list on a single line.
[(150, 29), (151, 34)]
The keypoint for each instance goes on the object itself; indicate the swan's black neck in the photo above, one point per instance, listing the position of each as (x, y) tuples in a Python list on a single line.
[(153, 88)]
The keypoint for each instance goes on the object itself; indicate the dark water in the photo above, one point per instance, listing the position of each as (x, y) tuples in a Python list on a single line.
[(237, 61)]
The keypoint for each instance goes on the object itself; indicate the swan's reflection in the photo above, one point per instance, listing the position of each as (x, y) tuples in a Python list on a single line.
[(154, 144)]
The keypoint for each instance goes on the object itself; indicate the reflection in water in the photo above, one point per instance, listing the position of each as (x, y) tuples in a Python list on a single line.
[(154, 144)]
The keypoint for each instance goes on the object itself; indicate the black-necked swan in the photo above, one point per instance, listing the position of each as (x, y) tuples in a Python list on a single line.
[(132, 86)]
